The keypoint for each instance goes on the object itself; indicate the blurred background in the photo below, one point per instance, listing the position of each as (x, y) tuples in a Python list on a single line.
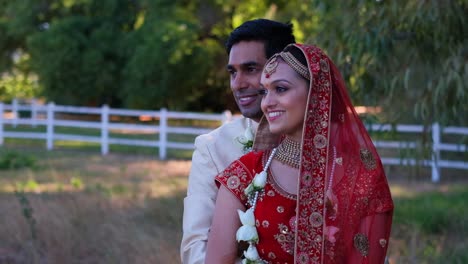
[(407, 59)]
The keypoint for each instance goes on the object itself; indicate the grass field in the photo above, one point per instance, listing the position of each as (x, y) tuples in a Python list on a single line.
[(66, 206)]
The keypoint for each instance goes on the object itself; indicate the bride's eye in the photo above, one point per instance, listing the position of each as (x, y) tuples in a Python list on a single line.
[(281, 89)]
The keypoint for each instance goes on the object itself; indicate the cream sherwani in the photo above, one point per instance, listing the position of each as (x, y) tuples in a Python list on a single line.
[(213, 153)]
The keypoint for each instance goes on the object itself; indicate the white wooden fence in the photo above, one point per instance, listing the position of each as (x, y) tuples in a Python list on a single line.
[(46, 115)]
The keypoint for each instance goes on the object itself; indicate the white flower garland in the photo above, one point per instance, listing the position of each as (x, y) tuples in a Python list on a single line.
[(248, 232)]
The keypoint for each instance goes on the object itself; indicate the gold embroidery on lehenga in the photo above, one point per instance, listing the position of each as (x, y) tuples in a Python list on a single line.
[(318, 239), (233, 182), (271, 255), (368, 159), (361, 243), (280, 209), (320, 141), (316, 219), (339, 161), (285, 238), (303, 258)]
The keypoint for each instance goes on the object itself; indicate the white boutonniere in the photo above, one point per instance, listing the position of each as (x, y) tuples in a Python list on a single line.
[(246, 140)]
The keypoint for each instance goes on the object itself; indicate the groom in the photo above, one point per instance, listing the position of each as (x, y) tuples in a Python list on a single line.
[(248, 46)]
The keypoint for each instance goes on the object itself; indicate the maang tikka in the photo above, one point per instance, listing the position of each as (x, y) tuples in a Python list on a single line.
[(271, 66)]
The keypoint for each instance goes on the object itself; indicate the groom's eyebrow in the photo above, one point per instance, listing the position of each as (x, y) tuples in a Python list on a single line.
[(244, 65)]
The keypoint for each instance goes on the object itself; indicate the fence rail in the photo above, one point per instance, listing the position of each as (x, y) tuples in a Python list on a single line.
[(48, 117)]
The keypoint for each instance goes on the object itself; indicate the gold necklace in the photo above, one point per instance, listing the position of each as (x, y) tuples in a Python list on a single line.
[(289, 153)]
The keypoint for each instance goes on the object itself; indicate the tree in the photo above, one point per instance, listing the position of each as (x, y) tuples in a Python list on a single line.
[(169, 61), (409, 57), (179, 60), (78, 57)]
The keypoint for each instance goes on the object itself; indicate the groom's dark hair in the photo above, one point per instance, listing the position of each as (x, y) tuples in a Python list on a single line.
[(275, 35)]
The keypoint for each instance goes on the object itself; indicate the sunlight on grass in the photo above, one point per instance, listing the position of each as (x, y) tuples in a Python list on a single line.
[(128, 209), (409, 190), (101, 209), (113, 175), (430, 224)]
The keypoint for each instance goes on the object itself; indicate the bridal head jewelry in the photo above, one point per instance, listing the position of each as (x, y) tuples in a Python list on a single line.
[(270, 67)]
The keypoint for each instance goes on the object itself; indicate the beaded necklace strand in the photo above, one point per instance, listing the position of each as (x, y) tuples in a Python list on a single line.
[(248, 232)]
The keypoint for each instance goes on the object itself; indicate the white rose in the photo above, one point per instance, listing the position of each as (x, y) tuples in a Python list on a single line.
[(248, 134), (242, 139), (252, 253), (259, 180), (247, 217), (247, 233)]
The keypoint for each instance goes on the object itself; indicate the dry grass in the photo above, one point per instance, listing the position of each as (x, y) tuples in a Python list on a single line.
[(93, 209), (128, 209)]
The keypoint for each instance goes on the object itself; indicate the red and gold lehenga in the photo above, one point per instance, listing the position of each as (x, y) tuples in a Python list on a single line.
[(343, 209)]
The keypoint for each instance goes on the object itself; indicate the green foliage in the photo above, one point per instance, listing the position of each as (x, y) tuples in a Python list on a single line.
[(166, 61), (153, 54), (15, 160), (19, 81), (87, 42), (391, 50), (433, 213), (76, 182), (439, 222), (179, 59)]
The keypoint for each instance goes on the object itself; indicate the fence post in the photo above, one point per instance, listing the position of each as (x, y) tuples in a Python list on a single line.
[(14, 112), (50, 125), (34, 112), (435, 152), (162, 133), (105, 130), (1, 123)]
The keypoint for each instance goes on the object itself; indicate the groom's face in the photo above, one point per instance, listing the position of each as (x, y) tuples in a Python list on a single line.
[(245, 66)]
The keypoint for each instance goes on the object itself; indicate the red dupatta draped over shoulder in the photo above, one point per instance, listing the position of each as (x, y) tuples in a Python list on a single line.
[(344, 206)]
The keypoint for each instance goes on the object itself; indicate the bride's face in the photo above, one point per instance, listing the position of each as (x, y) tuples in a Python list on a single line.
[(284, 99)]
